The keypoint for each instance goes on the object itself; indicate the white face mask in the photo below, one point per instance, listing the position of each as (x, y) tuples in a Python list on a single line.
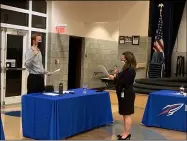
[(123, 62)]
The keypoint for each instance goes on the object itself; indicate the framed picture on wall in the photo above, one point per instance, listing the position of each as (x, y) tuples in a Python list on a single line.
[(128, 39), (121, 39), (135, 40)]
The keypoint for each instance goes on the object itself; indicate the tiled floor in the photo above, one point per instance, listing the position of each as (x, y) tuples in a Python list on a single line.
[(12, 125)]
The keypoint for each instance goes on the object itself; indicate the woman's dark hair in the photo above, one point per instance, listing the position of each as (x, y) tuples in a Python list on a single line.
[(130, 60)]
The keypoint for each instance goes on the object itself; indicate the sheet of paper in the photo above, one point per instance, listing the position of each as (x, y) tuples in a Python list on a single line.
[(178, 93), (51, 94), (103, 69), (66, 92), (121, 41), (55, 71)]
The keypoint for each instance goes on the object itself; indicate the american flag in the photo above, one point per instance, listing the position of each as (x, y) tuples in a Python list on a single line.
[(159, 44)]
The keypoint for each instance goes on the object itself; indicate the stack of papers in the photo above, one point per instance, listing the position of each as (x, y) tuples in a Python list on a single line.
[(51, 94), (66, 92), (178, 93)]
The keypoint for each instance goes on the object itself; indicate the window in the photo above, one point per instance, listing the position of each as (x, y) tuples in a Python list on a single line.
[(38, 22), (39, 6), (43, 45), (24, 4), (13, 17)]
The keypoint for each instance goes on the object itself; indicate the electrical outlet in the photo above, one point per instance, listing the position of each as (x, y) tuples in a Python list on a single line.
[(57, 61)]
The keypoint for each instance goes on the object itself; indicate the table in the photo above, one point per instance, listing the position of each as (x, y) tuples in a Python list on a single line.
[(2, 137), (109, 83), (57, 117), (166, 109)]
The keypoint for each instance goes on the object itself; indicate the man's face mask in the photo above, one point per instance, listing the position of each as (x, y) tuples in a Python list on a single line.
[(39, 44)]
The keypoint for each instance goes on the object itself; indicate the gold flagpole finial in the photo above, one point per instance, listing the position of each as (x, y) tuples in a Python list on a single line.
[(161, 5)]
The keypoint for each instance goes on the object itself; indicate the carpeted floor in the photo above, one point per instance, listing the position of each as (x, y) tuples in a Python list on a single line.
[(11, 117), (13, 113)]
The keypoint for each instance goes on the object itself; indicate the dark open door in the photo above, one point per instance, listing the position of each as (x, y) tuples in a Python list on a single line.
[(75, 58)]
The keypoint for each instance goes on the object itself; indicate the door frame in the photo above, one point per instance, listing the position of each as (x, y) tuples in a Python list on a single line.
[(4, 33)]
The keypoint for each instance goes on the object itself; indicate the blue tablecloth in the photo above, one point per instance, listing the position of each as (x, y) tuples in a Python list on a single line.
[(166, 109), (57, 117), (2, 131)]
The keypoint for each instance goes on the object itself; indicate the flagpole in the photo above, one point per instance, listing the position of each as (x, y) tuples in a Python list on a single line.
[(161, 5)]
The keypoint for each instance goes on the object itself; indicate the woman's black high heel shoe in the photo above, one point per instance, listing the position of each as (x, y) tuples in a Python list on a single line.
[(127, 138)]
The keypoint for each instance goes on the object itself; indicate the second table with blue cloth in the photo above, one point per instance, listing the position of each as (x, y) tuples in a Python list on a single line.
[(166, 109), (57, 117), (2, 137)]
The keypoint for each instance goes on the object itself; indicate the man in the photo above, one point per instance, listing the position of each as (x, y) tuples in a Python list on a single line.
[(33, 63)]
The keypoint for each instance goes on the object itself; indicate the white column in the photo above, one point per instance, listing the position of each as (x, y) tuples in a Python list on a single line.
[(47, 30), (30, 22)]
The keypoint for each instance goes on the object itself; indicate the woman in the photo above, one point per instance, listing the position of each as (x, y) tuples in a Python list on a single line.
[(125, 92)]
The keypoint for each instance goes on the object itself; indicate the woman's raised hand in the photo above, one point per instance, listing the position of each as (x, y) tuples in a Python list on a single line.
[(115, 70)]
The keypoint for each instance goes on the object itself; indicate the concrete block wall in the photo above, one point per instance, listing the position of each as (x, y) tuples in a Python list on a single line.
[(58, 49), (96, 52), (141, 53)]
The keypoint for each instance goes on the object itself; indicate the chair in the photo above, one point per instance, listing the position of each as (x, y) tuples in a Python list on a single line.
[(156, 67), (180, 68), (49, 88)]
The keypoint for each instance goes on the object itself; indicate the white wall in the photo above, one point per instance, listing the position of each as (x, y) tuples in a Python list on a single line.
[(134, 18), (180, 44), (100, 19)]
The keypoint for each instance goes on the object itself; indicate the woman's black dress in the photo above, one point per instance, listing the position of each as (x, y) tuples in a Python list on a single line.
[(124, 83)]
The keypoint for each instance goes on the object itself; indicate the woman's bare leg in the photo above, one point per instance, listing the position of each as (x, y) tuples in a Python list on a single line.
[(127, 125)]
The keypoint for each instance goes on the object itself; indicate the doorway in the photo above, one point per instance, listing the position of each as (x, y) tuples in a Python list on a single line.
[(13, 74), (75, 62)]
